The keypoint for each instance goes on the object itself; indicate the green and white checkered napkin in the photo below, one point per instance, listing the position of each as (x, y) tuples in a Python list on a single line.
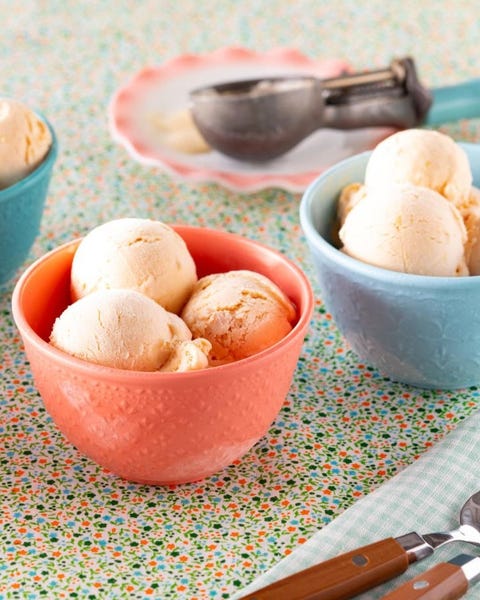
[(425, 497)]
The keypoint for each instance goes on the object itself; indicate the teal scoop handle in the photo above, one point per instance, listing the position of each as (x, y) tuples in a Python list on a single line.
[(454, 102)]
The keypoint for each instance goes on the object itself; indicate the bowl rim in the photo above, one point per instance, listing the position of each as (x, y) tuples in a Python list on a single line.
[(348, 263), (125, 375), (39, 172)]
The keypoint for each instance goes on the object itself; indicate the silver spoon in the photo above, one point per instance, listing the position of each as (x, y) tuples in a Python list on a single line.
[(349, 574)]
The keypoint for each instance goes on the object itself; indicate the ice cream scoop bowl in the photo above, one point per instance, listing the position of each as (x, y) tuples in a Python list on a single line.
[(419, 330), (21, 211), (155, 427)]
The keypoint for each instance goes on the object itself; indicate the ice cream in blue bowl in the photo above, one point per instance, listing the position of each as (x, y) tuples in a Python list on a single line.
[(394, 235), (28, 150)]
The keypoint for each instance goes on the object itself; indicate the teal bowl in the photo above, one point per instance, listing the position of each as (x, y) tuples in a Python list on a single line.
[(423, 331), (21, 210)]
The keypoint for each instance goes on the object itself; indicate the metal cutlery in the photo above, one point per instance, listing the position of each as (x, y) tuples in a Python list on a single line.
[(349, 574), (445, 581)]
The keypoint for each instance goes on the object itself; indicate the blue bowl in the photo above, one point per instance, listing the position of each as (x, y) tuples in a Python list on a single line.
[(21, 210), (424, 331)]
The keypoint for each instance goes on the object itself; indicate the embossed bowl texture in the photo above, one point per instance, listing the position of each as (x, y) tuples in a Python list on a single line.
[(424, 331), (21, 211), (162, 428)]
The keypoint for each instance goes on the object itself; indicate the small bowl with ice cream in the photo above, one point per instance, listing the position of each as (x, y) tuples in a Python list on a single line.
[(395, 238), (28, 150), (164, 353)]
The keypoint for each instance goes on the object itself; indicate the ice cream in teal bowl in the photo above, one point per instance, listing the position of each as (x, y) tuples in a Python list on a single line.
[(398, 257), (28, 150)]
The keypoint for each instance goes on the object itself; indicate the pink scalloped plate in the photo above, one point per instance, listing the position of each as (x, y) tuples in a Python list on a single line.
[(164, 90)]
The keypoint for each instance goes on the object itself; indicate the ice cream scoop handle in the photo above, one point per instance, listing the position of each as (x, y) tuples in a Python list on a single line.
[(454, 102), (341, 577), (443, 582)]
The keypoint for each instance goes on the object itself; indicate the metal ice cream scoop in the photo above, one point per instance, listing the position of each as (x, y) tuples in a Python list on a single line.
[(349, 574), (260, 119)]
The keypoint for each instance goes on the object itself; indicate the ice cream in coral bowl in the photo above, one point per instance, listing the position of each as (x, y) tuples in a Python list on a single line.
[(395, 235), (126, 380)]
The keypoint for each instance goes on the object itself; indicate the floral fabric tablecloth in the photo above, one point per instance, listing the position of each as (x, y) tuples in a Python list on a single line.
[(69, 529)]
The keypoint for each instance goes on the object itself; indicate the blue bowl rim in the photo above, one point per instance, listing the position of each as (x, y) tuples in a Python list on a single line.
[(379, 274), (41, 171)]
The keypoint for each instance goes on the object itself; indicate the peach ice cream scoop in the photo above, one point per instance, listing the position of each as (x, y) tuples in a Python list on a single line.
[(24, 141), (425, 158), (139, 254), (406, 228), (471, 217), (126, 330), (239, 312)]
